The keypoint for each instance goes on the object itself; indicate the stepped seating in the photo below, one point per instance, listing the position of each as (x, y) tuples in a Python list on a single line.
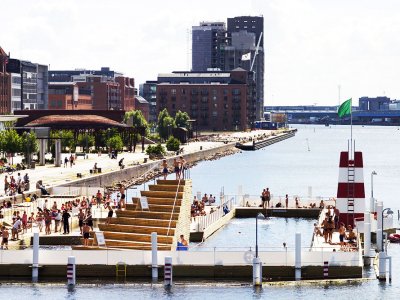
[(132, 227)]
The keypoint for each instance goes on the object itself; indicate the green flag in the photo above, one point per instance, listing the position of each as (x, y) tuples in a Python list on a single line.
[(345, 108)]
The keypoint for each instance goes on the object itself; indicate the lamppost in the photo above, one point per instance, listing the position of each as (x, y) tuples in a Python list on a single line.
[(389, 211), (259, 215), (372, 202)]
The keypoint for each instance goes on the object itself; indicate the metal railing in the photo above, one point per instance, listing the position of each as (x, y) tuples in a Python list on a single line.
[(202, 222)]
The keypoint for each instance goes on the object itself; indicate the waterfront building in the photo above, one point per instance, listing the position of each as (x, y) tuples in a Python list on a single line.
[(143, 105), (127, 92), (240, 45), (374, 104), (148, 91), (218, 100), (68, 96), (110, 90), (29, 85), (5, 86)]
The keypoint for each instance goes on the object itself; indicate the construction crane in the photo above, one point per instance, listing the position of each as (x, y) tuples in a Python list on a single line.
[(256, 52)]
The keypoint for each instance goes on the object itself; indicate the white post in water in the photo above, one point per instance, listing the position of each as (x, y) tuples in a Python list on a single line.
[(379, 235), (168, 271), (297, 262), (71, 273), (367, 238), (154, 263), (35, 259), (257, 272), (382, 266)]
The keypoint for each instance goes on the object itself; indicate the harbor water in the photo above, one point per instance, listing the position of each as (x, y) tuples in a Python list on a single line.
[(310, 159)]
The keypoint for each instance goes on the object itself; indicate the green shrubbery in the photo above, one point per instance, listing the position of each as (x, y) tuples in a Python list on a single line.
[(173, 144), (155, 150)]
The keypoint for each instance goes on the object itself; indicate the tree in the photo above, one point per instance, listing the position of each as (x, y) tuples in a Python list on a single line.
[(181, 119), (138, 122), (67, 139), (86, 141), (29, 145), (173, 144), (12, 141), (115, 143), (165, 124)]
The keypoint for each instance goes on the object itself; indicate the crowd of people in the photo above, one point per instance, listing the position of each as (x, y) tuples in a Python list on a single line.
[(14, 186), (179, 165), (56, 218), (331, 224)]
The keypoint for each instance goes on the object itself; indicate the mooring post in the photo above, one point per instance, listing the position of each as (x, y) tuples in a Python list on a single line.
[(154, 263), (367, 239), (35, 259), (168, 271), (379, 230), (297, 263), (382, 266), (71, 273), (257, 271)]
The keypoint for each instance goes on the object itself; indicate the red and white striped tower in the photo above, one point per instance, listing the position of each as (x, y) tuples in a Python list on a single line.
[(351, 193)]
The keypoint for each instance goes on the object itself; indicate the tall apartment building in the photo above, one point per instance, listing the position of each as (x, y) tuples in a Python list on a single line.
[(207, 40), (218, 100), (5, 84), (219, 48), (148, 91), (29, 87)]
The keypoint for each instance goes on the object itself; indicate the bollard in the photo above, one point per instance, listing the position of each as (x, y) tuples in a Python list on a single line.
[(297, 263), (35, 259), (382, 266), (326, 270), (257, 272), (71, 273), (379, 234), (367, 239), (168, 271), (154, 263)]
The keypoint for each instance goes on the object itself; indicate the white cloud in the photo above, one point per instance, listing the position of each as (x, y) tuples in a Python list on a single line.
[(311, 45)]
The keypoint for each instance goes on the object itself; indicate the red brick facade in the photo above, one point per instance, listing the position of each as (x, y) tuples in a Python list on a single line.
[(226, 105), (105, 93), (127, 92)]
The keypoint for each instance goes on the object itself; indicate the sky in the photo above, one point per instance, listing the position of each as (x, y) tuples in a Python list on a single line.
[(311, 46)]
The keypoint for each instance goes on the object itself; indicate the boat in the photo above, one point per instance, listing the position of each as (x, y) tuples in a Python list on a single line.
[(394, 238)]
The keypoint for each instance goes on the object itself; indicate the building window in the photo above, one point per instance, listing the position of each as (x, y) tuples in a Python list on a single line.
[(173, 91)]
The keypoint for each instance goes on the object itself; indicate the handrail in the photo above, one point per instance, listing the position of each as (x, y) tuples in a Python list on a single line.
[(173, 207)]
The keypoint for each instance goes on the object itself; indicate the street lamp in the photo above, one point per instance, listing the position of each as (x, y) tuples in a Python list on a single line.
[(389, 211), (259, 215), (372, 202)]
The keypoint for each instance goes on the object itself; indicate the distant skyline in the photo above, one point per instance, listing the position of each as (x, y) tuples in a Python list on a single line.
[(311, 46)]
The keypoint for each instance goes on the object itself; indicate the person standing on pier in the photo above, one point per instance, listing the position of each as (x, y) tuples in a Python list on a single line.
[(86, 230), (81, 216), (287, 201), (267, 197), (4, 241), (182, 163), (176, 168), (165, 168), (65, 218), (110, 214)]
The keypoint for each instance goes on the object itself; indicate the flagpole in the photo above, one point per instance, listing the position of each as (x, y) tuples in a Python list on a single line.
[(351, 128)]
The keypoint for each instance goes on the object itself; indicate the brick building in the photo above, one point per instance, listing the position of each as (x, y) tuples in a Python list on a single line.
[(148, 91), (127, 92), (217, 100), (5, 84), (68, 96)]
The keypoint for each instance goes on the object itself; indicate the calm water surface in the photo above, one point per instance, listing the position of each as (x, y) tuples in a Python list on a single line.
[(286, 167)]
